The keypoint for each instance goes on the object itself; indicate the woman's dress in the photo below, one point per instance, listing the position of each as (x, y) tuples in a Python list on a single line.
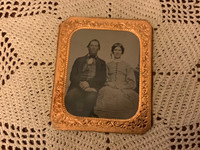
[(118, 99)]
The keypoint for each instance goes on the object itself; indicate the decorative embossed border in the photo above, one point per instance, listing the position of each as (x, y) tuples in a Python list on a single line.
[(142, 120)]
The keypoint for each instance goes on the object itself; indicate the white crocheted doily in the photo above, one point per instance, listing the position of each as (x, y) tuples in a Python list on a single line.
[(28, 46)]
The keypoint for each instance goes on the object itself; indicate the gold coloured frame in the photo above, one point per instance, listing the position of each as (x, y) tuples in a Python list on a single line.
[(142, 120)]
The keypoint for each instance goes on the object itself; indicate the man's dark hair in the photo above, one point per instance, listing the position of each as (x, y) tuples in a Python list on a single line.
[(92, 41), (118, 45)]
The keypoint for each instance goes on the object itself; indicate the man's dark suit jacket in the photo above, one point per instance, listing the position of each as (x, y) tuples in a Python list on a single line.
[(97, 82)]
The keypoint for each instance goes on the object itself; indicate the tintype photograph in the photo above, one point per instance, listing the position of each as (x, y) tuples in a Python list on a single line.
[(103, 74), (103, 77)]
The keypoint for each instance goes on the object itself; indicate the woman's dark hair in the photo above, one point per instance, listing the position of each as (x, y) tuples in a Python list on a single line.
[(118, 45), (92, 41)]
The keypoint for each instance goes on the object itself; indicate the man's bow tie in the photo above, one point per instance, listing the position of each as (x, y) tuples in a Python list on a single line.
[(91, 56)]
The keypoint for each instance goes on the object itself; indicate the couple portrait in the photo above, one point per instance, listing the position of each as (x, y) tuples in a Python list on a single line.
[(101, 83)]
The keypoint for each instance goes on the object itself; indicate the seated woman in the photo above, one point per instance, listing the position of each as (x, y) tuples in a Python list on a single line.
[(118, 99)]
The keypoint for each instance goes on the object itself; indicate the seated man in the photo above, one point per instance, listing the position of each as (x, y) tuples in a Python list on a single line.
[(88, 75)]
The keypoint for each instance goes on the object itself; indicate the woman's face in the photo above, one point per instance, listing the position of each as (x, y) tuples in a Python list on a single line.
[(117, 52)]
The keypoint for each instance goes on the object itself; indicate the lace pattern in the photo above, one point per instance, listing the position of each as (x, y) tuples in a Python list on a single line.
[(28, 45)]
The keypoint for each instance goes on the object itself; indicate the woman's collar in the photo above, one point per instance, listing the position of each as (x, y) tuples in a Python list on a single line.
[(117, 60)]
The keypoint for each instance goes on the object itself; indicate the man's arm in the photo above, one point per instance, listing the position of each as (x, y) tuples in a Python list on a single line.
[(74, 76)]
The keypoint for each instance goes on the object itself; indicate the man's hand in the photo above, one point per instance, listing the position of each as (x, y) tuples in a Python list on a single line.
[(112, 85), (84, 85), (90, 90)]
